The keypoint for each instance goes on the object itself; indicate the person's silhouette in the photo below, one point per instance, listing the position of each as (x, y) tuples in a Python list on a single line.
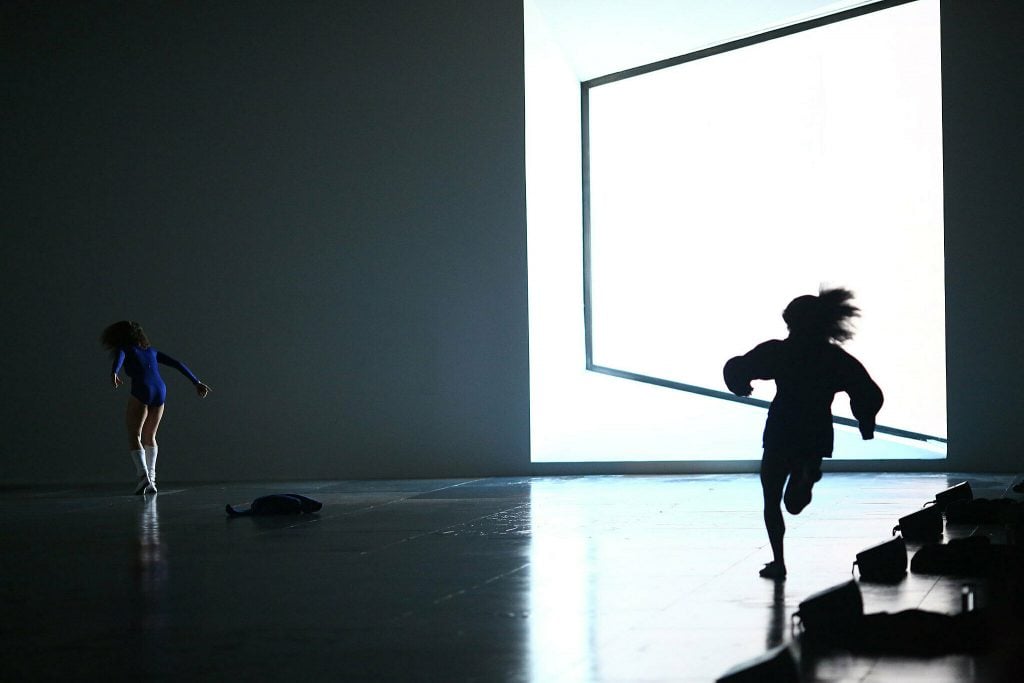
[(809, 369)]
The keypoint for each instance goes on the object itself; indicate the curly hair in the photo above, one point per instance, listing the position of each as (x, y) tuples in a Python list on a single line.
[(828, 315), (124, 333)]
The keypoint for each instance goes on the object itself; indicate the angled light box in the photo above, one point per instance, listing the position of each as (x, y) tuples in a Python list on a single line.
[(723, 184)]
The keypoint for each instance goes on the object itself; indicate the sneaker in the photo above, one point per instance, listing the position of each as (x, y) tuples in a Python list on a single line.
[(773, 571), (143, 485)]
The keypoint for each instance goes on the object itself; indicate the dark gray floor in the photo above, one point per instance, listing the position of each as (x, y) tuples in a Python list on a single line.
[(604, 578)]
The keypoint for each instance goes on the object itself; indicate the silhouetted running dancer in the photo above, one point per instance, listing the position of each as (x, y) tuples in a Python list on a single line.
[(129, 347), (809, 369)]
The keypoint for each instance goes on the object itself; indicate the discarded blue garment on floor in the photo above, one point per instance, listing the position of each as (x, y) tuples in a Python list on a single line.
[(277, 504)]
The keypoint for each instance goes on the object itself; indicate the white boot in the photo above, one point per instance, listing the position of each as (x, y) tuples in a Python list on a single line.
[(151, 452), (141, 472)]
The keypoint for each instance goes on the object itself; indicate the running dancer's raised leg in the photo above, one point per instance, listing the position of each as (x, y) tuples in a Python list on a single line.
[(801, 483)]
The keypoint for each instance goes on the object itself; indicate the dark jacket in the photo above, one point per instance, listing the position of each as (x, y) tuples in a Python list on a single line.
[(808, 373)]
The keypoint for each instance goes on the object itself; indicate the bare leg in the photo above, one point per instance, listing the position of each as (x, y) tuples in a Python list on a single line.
[(149, 428), (150, 425), (135, 416), (773, 479)]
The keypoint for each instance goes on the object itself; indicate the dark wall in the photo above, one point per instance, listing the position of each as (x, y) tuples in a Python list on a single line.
[(318, 206), (983, 101)]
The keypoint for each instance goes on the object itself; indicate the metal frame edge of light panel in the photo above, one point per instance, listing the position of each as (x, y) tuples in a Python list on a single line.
[(729, 46)]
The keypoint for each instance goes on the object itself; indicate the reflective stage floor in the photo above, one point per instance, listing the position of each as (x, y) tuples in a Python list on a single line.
[(562, 579)]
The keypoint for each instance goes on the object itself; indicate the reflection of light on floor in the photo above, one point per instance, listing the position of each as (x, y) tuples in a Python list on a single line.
[(151, 567), (610, 554), (629, 573), (639, 578), (559, 596)]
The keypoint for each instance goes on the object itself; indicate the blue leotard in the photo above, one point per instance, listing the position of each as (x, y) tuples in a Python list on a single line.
[(140, 364)]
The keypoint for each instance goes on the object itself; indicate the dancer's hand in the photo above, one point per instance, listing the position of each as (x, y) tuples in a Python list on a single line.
[(741, 389), (115, 380), (202, 390)]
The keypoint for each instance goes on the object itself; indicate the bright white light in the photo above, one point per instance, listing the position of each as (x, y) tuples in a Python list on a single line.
[(826, 142), (722, 188)]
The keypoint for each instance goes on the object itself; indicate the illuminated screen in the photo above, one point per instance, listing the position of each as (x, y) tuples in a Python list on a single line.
[(717, 187), (722, 186)]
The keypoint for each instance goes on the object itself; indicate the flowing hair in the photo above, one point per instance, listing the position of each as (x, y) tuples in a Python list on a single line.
[(827, 315), (123, 333)]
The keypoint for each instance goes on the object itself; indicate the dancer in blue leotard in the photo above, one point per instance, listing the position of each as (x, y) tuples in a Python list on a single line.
[(131, 350)]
